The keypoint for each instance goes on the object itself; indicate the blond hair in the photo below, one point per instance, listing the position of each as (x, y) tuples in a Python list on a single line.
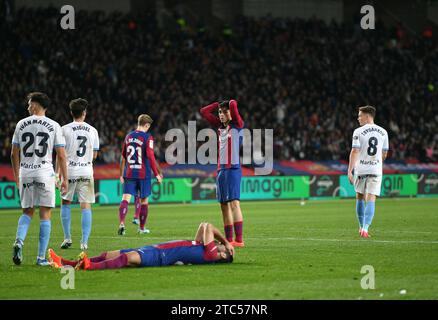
[(143, 119)]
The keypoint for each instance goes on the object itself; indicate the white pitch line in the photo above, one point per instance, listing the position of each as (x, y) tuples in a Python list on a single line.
[(351, 240), (258, 239), (349, 230)]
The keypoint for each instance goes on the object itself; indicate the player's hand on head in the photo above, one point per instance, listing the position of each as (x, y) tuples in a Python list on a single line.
[(230, 248)]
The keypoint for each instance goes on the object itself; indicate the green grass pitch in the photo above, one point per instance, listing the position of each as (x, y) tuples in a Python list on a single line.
[(292, 251)]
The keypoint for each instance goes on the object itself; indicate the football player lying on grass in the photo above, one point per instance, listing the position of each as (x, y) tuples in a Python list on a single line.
[(204, 249)]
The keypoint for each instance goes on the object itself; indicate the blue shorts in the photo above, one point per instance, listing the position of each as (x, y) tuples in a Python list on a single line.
[(149, 255), (140, 187), (228, 185)]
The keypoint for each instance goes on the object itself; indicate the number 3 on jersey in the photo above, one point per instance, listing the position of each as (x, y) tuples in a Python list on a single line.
[(82, 146), (372, 146), (136, 162)]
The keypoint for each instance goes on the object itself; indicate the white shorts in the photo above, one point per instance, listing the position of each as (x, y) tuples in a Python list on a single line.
[(83, 187), (37, 192), (370, 184)]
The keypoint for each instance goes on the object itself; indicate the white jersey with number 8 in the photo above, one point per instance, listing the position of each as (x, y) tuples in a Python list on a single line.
[(81, 141), (371, 140), (36, 136)]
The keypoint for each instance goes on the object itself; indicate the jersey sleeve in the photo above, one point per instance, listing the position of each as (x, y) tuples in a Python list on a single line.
[(96, 144), (210, 251), (65, 132), (151, 156), (206, 113), (235, 115), (356, 140), (59, 137), (16, 137), (124, 149), (385, 142)]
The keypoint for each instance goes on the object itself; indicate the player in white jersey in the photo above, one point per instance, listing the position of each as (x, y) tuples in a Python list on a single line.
[(81, 145), (369, 150), (32, 148)]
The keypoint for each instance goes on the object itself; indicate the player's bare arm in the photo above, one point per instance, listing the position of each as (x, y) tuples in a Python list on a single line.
[(354, 154), (153, 161), (62, 163), (207, 113), (235, 115), (212, 233), (200, 232), (208, 232), (57, 175), (15, 161), (160, 171), (121, 168)]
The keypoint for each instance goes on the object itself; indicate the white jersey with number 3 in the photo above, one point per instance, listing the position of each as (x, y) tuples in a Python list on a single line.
[(36, 136), (81, 140), (371, 140)]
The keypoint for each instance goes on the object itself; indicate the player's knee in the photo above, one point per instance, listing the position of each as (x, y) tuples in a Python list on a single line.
[(126, 197), (85, 205), (45, 213), (235, 204), (359, 196), (29, 212)]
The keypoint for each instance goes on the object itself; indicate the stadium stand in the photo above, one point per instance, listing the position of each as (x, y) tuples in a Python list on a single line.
[(305, 78)]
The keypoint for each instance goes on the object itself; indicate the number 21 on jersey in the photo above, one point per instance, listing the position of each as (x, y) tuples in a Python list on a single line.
[(134, 157)]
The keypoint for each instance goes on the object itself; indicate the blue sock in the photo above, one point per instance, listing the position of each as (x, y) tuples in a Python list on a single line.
[(45, 228), (23, 226), (369, 214), (360, 210), (66, 220), (86, 225)]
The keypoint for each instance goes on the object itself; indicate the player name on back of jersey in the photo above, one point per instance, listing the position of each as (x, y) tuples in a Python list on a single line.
[(372, 129), (37, 121), (135, 140), (81, 127)]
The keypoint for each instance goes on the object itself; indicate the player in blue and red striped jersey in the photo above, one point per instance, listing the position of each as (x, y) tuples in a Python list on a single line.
[(136, 163), (229, 123), (203, 250)]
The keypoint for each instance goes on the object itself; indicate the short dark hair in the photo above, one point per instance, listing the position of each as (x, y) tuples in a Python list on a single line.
[(77, 107), (229, 258), (369, 110), (224, 104), (41, 98)]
